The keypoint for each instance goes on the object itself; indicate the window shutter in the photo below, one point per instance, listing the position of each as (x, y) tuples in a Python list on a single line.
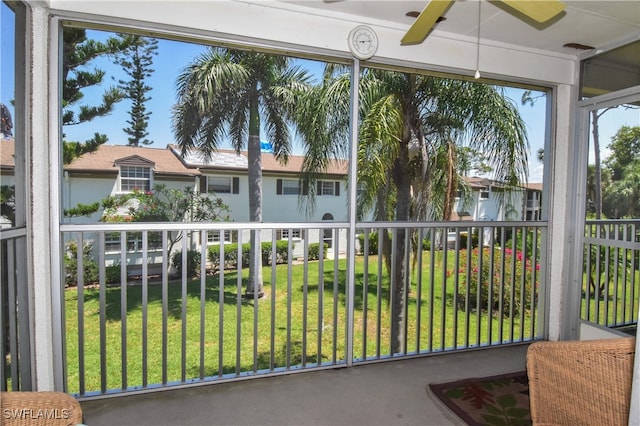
[(305, 188), (279, 187), (278, 232), (337, 189), (203, 184), (236, 185), (319, 188)]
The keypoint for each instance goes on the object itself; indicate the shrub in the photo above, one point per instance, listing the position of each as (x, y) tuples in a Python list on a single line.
[(193, 262), (373, 243), (90, 266), (112, 273), (464, 236), (314, 251), (490, 276), (282, 252), (520, 243), (426, 244), (231, 254)]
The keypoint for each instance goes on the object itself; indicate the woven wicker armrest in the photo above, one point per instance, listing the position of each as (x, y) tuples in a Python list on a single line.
[(39, 408), (581, 382)]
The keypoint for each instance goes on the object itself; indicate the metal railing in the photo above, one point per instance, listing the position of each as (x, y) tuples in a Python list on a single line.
[(186, 321), (15, 369), (611, 272)]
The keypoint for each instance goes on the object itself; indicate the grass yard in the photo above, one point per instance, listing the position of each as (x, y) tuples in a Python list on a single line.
[(307, 316), (613, 305)]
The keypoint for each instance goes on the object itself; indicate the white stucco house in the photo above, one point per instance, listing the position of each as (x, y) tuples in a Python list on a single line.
[(489, 200), (114, 170)]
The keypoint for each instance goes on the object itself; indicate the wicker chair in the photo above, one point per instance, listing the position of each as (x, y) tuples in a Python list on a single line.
[(584, 382), (39, 409)]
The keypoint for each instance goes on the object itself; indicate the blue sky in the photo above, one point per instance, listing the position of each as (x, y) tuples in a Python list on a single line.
[(174, 56)]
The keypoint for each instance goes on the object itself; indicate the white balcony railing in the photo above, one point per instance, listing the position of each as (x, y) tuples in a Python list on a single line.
[(15, 369), (611, 271), (137, 320), (132, 325)]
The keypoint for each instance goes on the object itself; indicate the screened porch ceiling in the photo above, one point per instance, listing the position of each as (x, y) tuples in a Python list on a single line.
[(598, 24)]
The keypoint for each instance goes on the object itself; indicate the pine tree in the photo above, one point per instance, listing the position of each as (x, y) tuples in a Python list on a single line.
[(78, 52), (136, 61)]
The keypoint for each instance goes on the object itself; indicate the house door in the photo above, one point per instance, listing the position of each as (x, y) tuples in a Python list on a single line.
[(327, 234)]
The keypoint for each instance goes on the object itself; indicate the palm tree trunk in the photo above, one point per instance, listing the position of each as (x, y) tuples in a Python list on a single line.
[(383, 234), (398, 287), (254, 286), (452, 182)]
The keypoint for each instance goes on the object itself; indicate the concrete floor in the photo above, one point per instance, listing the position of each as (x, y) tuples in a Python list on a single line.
[(387, 393)]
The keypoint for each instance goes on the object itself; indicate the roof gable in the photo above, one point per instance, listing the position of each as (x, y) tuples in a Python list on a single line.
[(109, 158), (134, 160)]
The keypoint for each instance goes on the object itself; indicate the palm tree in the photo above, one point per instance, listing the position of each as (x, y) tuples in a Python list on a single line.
[(223, 95), (411, 129)]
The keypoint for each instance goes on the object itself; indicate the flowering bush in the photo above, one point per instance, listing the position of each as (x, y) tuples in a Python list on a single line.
[(508, 268), (90, 266)]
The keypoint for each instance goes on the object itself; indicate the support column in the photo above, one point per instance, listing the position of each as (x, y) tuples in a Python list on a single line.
[(566, 219), (40, 184)]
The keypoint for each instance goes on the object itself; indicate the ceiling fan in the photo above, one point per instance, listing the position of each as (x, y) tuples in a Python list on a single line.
[(538, 10)]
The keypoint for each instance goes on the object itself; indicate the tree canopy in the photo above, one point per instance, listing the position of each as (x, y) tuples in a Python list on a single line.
[(136, 60), (77, 53), (231, 95), (414, 131), (621, 191)]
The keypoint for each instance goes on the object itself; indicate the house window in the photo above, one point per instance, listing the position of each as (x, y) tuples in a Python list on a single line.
[(214, 237), (220, 184), (135, 178), (134, 242), (291, 233), (458, 194), (289, 187), (285, 234), (112, 242), (484, 195), (328, 188)]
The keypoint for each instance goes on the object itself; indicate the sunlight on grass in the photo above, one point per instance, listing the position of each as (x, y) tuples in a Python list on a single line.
[(309, 324)]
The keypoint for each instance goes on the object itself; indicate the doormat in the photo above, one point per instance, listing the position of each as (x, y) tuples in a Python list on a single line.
[(495, 400)]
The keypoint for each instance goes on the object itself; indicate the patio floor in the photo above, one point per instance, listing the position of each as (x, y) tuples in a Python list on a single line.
[(386, 393)]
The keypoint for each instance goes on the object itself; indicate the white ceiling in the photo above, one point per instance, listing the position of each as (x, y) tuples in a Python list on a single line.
[(593, 23)]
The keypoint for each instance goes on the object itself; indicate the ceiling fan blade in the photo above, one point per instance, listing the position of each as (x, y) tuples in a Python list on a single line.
[(425, 21), (538, 10)]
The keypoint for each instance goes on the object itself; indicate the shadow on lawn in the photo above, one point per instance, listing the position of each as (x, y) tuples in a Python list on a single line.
[(113, 295), (372, 290), (358, 297), (263, 362), (212, 290)]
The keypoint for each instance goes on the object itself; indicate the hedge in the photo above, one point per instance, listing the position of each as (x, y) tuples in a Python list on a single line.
[(282, 253)]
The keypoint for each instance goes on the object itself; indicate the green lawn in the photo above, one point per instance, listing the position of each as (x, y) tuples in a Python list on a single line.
[(613, 306), (436, 323)]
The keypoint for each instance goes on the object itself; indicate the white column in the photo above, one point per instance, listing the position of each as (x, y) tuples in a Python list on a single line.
[(39, 213), (566, 191)]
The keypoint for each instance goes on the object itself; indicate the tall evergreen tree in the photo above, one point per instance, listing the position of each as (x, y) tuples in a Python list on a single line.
[(136, 61), (78, 52)]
